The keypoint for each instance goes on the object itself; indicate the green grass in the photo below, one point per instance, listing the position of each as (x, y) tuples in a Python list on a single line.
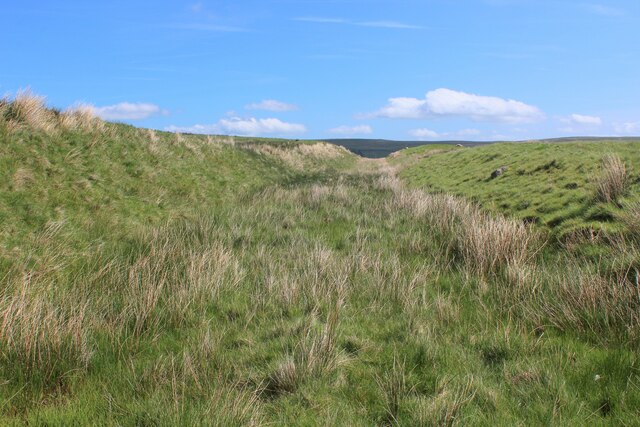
[(196, 281), (552, 184)]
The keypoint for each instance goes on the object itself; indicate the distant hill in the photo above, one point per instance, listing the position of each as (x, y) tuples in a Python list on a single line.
[(379, 148)]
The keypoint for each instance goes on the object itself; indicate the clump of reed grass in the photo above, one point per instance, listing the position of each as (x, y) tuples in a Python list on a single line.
[(80, 117), (394, 386), (29, 110), (40, 334), (613, 181)]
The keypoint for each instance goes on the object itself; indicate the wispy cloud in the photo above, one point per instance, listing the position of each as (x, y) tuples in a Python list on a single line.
[(390, 24), (581, 119), (428, 134), (352, 130), (424, 134), (271, 105), (627, 128), (604, 10), (197, 7), (450, 103), (128, 111), (580, 123), (375, 24), (321, 20), (244, 127)]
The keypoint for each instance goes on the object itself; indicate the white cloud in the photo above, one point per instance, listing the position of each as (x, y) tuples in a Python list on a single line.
[(352, 130), (431, 134), (577, 123), (128, 111), (628, 128), (244, 127), (424, 133), (271, 105), (581, 119), (447, 102)]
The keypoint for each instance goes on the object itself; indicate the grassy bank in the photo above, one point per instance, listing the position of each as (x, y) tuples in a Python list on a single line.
[(551, 184)]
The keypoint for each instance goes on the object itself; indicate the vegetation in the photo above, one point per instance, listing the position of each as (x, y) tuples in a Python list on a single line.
[(227, 281), (574, 189), (380, 148)]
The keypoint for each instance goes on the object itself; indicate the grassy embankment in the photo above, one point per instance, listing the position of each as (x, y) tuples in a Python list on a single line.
[(551, 184), (207, 283)]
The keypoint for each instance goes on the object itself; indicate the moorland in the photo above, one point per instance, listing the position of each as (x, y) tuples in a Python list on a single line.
[(155, 278)]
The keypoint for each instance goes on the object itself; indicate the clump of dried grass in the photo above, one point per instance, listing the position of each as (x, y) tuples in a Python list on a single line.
[(298, 156), (174, 279), (485, 243), (490, 243), (80, 117), (41, 333), (22, 178), (30, 110), (614, 179)]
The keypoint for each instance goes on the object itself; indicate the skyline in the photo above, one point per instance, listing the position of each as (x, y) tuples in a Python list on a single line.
[(409, 70)]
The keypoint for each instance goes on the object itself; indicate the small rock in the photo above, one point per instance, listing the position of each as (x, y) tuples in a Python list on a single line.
[(498, 172)]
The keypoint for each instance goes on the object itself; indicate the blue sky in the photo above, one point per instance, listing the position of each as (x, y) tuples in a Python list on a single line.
[(397, 69)]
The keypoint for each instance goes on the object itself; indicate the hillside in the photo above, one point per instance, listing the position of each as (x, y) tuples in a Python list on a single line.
[(553, 184), (85, 177), (152, 278)]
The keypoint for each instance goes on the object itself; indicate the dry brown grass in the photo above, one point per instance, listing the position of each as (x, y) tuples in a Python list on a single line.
[(22, 178), (445, 407), (173, 281), (394, 387), (614, 179), (30, 110), (631, 218), (487, 244), (299, 156), (39, 331), (80, 117), (592, 304)]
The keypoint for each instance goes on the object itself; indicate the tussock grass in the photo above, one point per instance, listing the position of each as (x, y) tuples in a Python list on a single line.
[(80, 118), (446, 407), (41, 335), (27, 111), (600, 307), (394, 387), (30, 110), (630, 216), (488, 244), (300, 156), (614, 179)]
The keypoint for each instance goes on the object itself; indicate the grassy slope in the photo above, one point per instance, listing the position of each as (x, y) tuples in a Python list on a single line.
[(550, 183), (94, 184), (221, 285)]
